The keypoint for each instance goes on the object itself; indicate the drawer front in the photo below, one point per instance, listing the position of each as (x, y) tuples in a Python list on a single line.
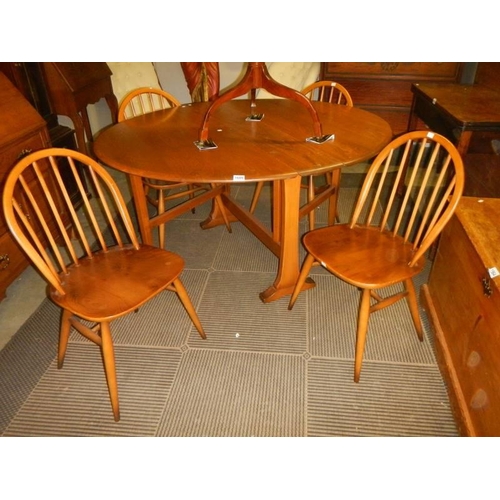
[(11, 153), (444, 71), (385, 88), (378, 92), (12, 262), (9, 157)]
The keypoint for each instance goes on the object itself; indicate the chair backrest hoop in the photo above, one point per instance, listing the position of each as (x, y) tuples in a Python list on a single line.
[(416, 181), (327, 90), (145, 100), (44, 220)]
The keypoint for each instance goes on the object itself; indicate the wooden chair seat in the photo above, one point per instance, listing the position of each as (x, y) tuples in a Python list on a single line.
[(116, 282), (363, 257), (390, 229), (91, 258)]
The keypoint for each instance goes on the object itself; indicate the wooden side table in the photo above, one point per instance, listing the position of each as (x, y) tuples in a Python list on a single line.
[(72, 87), (456, 111)]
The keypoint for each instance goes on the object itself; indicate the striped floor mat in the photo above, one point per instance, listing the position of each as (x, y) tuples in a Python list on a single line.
[(263, 370)]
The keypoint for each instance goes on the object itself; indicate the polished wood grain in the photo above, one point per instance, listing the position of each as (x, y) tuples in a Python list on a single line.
[(324, 91), (72, 86), (449, 108), (463, 304), (384, 88), (257, 77), (160, 145), (377, 250), (22, 130), (96, 282)]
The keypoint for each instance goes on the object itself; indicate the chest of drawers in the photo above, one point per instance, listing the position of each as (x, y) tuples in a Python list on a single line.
[(384, 88), (22, 130), (463, 303)]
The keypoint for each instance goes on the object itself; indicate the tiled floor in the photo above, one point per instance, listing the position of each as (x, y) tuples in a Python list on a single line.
[(264, 370), (27, 292)]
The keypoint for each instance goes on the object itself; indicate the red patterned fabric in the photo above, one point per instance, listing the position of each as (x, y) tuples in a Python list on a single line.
[(203, 80)]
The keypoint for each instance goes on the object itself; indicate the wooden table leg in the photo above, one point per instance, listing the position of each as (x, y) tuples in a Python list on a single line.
[(288, 266), (276, 210), (463, 142), (141, 208), (215, 217)]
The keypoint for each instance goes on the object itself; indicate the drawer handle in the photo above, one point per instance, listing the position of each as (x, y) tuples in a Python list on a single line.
[(23, 153), (4, 261), (487, 290)]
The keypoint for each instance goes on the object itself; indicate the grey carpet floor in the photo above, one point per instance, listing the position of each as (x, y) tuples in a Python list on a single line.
[(263, 370)]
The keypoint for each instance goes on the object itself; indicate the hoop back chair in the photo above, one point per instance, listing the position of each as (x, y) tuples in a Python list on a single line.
[(325, 91), (146, 100), (328, 91), (385, 242), (90, 256)]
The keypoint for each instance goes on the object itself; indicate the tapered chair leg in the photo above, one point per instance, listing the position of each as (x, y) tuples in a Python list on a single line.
[(363, 317), (161, 227), (256, 195), (108, 356), (311, 191), (413, 305), (334, 180), (188, 305), (304, 272), (63, 337), (191, 196)]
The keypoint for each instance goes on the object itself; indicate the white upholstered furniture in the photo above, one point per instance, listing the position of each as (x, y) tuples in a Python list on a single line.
[(129, 76), (296, 75)]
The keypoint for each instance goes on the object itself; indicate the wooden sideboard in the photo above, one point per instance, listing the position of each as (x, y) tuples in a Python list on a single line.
[(22, 130), (462, 300), (28, 78), (72, 86), (385, 88)]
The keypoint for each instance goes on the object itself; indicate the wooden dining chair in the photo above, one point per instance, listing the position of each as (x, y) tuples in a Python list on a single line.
[(328, 91), (96, 269), (145, 100), (386, 240), (325, 91)]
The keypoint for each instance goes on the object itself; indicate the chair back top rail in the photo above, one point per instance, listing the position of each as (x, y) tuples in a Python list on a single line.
[(418, 180), (45, 221)]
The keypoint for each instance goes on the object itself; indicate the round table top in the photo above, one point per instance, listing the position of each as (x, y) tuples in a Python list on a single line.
[(160, 145)]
